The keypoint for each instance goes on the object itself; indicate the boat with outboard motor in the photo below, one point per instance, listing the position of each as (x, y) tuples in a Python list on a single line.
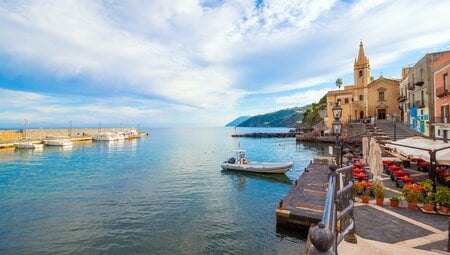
[(241, 164)]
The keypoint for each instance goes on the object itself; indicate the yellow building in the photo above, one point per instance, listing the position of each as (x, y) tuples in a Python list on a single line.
[(367, 98)]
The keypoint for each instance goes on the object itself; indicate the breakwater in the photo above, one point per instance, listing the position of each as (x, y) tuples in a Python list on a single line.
[(266, 135), (8, 136)]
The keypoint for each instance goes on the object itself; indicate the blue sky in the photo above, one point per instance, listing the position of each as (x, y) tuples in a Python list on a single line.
[(196, 63)]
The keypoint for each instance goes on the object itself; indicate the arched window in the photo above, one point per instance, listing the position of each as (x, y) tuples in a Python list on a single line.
[(360, 73), (381, 95), (360, 97)]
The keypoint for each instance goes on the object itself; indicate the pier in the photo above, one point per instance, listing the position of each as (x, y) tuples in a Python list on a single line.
[(304, 204)]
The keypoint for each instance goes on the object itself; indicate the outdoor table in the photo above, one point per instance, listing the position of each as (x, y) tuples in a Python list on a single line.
[(358, 165), (357, 171), (360, 176), (400, 173), (406, 179), (440, 170), (444, 175), (394, 168)]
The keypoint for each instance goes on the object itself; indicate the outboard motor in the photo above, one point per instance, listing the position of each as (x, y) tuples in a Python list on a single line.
[(231, 160)]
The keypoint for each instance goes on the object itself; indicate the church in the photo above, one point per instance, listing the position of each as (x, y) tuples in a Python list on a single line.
[(367, 98)]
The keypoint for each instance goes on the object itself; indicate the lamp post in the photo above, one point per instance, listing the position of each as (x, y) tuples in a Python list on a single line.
[(337, 128), (394, 119)]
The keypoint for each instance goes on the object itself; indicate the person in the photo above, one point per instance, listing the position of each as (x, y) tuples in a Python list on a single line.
[(243, 160)]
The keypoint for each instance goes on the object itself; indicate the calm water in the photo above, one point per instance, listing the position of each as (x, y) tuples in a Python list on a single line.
[(162, 194)]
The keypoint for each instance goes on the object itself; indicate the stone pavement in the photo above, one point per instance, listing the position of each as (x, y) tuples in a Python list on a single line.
[(385, 230)]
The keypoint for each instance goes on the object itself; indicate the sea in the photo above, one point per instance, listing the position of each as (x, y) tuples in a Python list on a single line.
[(161, 194)]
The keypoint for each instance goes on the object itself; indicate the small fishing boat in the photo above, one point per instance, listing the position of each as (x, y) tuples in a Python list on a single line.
[(105, 137), (58, 142), (239, 163), (27, 145)]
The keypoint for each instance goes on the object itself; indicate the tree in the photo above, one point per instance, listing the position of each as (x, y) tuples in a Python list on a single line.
[(339, 83)]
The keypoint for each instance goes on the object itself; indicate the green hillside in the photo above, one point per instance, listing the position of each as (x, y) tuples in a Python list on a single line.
[(281, 118)]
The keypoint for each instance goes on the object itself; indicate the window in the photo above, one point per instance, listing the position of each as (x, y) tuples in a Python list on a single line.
[(360, 74), (346, 100), (446, 82), (380, 95), (360, 97), (421, 74), (339, 101), (445, 114), (413, 79), (422, 97)]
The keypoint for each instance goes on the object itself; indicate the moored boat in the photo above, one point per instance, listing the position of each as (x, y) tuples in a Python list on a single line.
[(58, 142), (27, 145), (104, 137), (241, 164)]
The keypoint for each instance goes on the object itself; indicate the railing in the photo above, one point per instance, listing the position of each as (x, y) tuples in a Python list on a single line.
[(440, 119), (442, 92), (419, 83), (325, 237)]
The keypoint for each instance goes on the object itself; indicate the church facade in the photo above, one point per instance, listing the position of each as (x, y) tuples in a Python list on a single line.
[(367, 97)]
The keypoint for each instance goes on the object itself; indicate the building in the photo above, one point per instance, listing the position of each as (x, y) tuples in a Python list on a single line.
[(441, 122), (367, 98), (421, 93), (403, 97)]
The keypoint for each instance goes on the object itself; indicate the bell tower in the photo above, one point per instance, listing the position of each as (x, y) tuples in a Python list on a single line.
[(361, 68)]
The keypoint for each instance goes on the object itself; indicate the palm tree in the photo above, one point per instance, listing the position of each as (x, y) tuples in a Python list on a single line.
[(339, 83)]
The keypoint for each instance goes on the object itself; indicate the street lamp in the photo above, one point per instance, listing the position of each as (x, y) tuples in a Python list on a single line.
[(337, 128)]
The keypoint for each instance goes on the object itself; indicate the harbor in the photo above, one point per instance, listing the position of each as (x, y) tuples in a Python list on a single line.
[(8, 138)]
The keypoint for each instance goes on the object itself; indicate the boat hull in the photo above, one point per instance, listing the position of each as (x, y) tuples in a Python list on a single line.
[(258, 167)]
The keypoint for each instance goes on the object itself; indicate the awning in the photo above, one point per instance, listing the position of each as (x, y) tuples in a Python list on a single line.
[(422, 149)]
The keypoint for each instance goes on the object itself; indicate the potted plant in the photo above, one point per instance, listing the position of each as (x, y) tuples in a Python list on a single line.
[(412, 195), (427, 185), (428, 201), (365, 195), (442, 198), (395, 200), (379, 193)]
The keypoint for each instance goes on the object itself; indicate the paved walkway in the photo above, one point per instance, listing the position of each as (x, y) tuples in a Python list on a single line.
[(386, 230)]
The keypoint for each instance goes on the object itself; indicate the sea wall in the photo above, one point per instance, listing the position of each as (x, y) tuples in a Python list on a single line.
[(37, 134)]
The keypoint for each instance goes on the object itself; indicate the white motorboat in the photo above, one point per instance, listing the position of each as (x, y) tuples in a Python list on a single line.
[(58, 142), (27, 145), (104, 137), (241, 164)]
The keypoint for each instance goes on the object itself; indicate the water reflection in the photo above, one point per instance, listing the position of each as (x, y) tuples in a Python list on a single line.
[(241, 177)]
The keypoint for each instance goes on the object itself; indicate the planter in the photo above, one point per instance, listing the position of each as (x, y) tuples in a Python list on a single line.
[(380, 201), (443, 209), (394, 204), (365, 199), (428, 207), (412, 206)]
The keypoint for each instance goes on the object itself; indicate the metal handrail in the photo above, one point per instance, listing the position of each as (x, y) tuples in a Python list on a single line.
[(325, 236)]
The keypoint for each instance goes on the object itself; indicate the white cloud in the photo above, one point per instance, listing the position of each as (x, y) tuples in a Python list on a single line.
[(302, 98)]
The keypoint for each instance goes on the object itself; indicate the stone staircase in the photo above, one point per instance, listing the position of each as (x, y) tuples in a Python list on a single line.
[(384, 130)]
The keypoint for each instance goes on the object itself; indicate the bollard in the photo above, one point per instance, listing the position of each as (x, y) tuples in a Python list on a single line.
[(280, 204)]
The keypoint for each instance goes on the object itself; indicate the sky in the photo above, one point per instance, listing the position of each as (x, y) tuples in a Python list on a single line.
[(187, 63)]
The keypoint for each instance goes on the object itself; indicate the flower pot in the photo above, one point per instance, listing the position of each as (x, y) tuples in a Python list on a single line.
[(443, 209), (380, 201), (412, 206), (365, 199), (428, 207), (394, 204)]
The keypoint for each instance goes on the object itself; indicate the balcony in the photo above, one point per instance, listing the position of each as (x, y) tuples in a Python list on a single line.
[(442, 92), (419, 83), (441, 119), (419, 104), (410, 86), (401, 98)]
